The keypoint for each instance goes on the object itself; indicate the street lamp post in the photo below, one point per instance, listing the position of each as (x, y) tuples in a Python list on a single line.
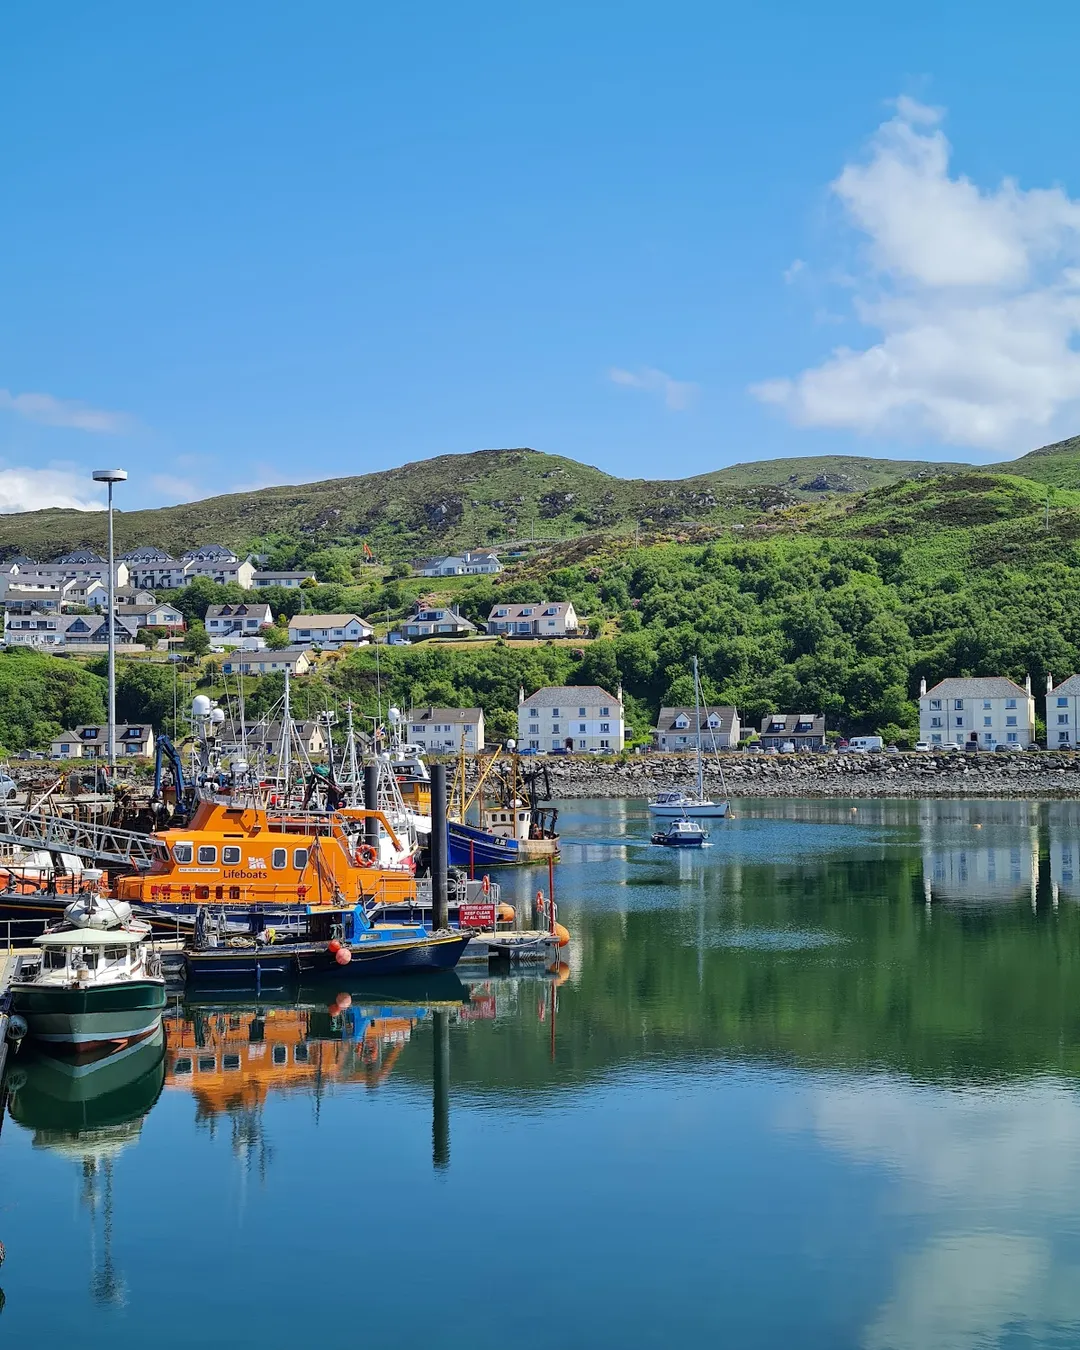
[(111, 476)]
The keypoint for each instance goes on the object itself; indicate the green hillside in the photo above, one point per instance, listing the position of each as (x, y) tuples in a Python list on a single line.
[(459, 501)]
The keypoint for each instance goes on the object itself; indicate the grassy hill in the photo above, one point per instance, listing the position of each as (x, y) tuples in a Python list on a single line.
[(458, 501)]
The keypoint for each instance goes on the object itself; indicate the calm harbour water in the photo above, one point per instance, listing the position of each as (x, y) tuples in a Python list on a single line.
[(814, 1086)]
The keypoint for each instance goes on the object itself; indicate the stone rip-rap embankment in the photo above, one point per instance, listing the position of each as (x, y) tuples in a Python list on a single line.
[(1028, 774)]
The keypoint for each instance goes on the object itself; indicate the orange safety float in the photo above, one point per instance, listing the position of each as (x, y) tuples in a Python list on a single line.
[(343, 957), (366, 856), (486, 884)]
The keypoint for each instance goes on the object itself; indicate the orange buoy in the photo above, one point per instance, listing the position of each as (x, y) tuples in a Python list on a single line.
[(343, 956), (562, 934), (333, 946), (505, 912), (561, 972), (344, 1001)]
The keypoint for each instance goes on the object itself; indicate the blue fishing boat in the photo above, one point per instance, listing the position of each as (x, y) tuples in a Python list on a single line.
[(340, 942), (470, 846)]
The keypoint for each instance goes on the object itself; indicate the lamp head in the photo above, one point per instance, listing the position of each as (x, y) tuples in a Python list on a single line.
[(109, 475)]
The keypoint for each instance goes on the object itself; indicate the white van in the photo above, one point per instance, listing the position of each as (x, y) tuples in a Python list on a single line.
[(866, 745)]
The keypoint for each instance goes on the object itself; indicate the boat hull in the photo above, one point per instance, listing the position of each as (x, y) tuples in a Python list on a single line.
[(700, 811), (405, 957), (89, 1018), (226, 968), (473, 847)]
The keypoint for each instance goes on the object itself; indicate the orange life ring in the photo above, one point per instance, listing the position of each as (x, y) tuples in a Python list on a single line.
[(486, 883), (366, 856)]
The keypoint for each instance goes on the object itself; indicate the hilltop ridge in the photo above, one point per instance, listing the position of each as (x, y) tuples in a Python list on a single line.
[(499, 496)]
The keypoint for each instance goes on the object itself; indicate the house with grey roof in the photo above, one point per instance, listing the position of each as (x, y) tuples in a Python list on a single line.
[(677, 729), (436, 621), (472, 562), (242, 619), (329, 630), (546, 618), (1063, 713), (806, 731), (571, 717), (288, 581), (981, 710)]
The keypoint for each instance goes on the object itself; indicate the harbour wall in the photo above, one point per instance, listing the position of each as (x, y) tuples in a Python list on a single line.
[(1039, 775)]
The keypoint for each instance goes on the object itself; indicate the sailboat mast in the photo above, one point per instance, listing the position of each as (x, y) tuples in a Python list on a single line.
[(697, 709), (286, 738)]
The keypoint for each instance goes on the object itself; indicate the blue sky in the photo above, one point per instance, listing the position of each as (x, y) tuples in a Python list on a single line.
[(262, 243)]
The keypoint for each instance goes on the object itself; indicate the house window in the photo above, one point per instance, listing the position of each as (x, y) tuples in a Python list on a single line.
[(605, 712), (1063, 702), (554, 727), (1010, 703), (986, 703), (605, 745), (935, 705), (958, 704), (581, 712), (959, 721), (936, 740), (230, 855), (605, 726), (534, 745), (1063, 719), (581, 726), (207, 853), (988, 721), (1010, 721), (1012, 736)]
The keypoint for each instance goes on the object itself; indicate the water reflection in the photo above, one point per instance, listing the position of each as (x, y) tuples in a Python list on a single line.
[(90, 1111)]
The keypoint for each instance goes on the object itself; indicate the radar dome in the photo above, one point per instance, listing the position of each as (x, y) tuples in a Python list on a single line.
[(200, 706)]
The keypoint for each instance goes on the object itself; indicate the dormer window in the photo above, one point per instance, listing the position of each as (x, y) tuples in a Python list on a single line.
[(682, 721)]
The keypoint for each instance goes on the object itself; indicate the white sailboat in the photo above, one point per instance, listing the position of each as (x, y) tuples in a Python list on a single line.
[(676, 804)]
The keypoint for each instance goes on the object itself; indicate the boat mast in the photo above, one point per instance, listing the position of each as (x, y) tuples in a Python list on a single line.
[(354, 768), (697, 709), (285, 765)]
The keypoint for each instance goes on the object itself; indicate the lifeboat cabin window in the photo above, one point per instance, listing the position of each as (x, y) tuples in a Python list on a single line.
[(182, 853), (300, 1054), (280, 1054), (207, 853), (279, 858), (230, 855), (182, 1067), (207, 1063), (299, 858), (230, 1063)]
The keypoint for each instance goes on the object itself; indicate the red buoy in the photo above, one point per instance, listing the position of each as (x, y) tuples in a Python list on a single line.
[(344, 1001), (333, 946), (343, 956)]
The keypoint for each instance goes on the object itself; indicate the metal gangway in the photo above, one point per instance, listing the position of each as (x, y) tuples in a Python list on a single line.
[(94, 843)]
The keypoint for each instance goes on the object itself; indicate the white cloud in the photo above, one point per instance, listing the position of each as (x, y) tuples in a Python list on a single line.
[(36, 489), (976, 296), (677, 394), (176, 489), (790, 273), (60, 412)]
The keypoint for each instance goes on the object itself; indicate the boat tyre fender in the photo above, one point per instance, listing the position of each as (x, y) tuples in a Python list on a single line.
[(365, 856)]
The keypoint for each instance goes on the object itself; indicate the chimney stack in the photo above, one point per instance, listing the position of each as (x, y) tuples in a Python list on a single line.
[(1049, 683), (1027, 684), (922, 686)]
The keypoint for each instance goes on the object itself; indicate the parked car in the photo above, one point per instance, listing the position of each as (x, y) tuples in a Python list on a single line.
[(754, 750), (892, 749), (8, 786), (529, 750), (1005, 749), (396, 640), (559, 750), (923, 747), (787, 748), (772, 750)]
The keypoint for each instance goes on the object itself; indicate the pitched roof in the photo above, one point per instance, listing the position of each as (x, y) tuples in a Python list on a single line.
[(210, 553), (790, 721), (262, 574), (147, 554), (977, 686), (123, 729), (80, 555), (554, 696), (326, 620), (666, 720), (1069, 686), (247, 608), (538, 609), (270, 654), (444, 715)]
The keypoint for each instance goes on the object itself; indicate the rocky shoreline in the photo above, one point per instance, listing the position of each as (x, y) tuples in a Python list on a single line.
[(1042, 775)]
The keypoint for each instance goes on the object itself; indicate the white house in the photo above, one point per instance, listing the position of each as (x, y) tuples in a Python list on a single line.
[(92, 741), (42, 599), (546, 619), (436, 621), (218, 564), (985, 710), (1063, 713), (237, 620), (265, 737), (446, 730), (159, 614), (571, 717), (329, 630), (81, 565), (677, 729), (288, 581), (296, 660), (473, 562), (65, 630), (153, 569)]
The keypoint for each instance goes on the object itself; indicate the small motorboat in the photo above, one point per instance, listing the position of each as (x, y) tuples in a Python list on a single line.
[(682, 834), (100, 982)]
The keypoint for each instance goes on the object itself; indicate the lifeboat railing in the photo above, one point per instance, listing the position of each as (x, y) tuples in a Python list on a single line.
[(54, 833)]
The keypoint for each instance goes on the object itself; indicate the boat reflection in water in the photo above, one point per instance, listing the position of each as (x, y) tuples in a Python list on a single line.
[(90, 1111)]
